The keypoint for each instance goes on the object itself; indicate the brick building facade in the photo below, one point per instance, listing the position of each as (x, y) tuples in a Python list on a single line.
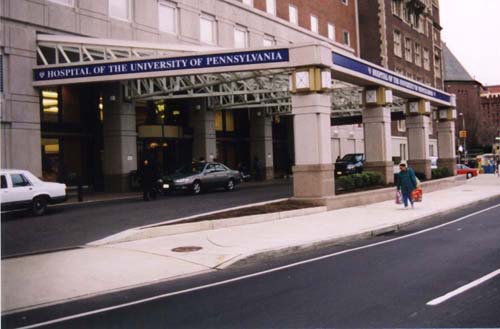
[(490, 113), (468, 91)]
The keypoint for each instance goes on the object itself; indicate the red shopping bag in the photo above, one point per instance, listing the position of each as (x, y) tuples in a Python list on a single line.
[(416, 194)]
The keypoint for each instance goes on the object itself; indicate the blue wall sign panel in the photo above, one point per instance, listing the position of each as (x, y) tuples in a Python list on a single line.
[(162, 64), (380, 74)]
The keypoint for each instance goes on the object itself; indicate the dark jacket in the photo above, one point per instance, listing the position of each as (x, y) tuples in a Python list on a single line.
[(407, 181)]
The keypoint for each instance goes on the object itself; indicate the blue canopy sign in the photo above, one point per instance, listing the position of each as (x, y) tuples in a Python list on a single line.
[(162, 64), (380, 74)]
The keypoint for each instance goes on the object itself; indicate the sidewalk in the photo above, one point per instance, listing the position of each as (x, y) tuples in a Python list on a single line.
[(44, 279)]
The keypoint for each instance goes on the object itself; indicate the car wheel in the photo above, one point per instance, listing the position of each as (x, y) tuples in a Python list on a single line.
[(230, 185), (39, 205), (196, 189), (469, 175)]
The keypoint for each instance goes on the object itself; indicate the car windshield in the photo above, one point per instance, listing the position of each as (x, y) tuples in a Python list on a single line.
[(352, 157), (192, 168)]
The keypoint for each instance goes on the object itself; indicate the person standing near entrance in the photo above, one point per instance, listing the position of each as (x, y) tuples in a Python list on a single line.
[(148, 175), (407, 182)]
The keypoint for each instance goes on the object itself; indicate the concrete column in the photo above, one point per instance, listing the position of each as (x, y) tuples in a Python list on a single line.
[(446, 145), (261, 141), (377, 137), (313, 170), (417, 129), (120, 140), (204, 139)]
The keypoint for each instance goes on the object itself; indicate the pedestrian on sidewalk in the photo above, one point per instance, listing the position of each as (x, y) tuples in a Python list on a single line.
[(148, 175), (407, 182)]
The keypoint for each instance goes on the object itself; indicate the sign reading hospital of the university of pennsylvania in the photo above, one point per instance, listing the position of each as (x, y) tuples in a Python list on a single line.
[(159, 64), (395, 80)]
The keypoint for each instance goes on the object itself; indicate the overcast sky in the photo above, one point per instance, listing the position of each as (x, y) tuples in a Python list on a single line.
[(471, 30)]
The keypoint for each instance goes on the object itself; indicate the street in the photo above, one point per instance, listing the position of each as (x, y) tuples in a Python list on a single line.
[(386, 281), (72, 226)]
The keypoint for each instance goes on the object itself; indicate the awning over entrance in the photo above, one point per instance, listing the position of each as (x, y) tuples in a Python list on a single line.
[(228, 78)]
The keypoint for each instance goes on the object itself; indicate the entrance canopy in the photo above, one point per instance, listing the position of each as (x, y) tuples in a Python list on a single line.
[(230, 79)]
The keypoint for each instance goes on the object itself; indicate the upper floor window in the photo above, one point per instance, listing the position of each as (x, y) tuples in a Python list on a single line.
[(331, 31), (347, 38), (314, 24), (293, 14), (70, 3), (397, 7), (437, 65), (167, 17), (418, 55), (248, 2), (398, 50), (240, 37), (427, 64), (408, 50), (120, 9), (345, 2), (208, 31), (271, 7), (268, 41)]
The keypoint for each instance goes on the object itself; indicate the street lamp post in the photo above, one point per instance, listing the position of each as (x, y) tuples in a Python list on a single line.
[(464, 134)]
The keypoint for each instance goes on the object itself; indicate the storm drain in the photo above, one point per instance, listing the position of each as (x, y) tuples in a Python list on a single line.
[(186, 249)]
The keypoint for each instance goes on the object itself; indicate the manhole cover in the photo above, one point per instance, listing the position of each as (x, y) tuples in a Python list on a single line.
[(186, 249)]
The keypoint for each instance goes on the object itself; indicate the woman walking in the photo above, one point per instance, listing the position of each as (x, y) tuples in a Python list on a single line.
[(407, 182)]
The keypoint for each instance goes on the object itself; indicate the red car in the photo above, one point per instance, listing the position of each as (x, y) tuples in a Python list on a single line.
[(464, 170)]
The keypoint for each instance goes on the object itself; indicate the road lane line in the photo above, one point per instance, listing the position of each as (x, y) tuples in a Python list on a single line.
[(463, 289), (248, 276)]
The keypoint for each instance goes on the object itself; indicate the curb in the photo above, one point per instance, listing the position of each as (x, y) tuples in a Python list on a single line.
[(158, 230), (328, 242)]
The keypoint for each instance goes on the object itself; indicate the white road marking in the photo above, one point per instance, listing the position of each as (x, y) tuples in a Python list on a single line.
[(220, 283), (463, 289)]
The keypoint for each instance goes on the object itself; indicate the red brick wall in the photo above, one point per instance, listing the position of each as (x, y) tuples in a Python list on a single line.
[(328, 11)]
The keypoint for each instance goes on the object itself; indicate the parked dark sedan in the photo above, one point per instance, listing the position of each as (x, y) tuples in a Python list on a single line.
[(199, 176), (351, 163)]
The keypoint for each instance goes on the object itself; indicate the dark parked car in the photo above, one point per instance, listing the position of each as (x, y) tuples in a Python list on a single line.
[(199, 176), (351, 163)]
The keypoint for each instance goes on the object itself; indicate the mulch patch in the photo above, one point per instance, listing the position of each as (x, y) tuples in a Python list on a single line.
[(256, 210)]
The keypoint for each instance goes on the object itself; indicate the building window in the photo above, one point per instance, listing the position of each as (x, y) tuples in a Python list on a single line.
[(70, 3), (50, 105), (314, 24), (271, 7), (396, 7), (248, 2), (401, 125), (208, 33), (408, 50), (268, 41), (167, 17), (437, 64), (431, 147), (293, 14), (426, 59), (347, 38), (402, 151), (1, 75), (345, 2), (240, 37), (398, 51), (331, 31), (119, 9), (418, 55)]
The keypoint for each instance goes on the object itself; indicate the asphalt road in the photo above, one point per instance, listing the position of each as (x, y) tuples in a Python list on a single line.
[(378, 285), (71, 226)]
